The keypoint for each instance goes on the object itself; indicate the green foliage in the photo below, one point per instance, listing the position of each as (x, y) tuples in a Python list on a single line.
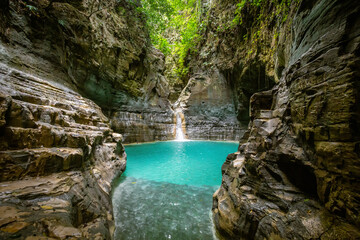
[(256, 3), (238, 16), (188, 26), (61, 22), (282, 8), (157, 14), (257, 18), (174, 28), (239, 10), (32, 8), (162, 44)]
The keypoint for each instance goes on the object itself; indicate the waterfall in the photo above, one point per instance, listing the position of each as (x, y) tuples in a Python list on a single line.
[(179, 131)]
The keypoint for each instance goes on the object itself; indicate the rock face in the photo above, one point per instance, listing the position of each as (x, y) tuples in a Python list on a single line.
[(58, 158), (150, 117), (144, 125), (209, 109), (224, 75), (58, 153), (98, 48), (296, 175)]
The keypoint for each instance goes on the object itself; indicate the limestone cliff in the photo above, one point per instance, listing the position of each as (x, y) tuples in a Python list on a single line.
[(296, 173), (225, 71), (58, 153), (98, 48), (58, 158)]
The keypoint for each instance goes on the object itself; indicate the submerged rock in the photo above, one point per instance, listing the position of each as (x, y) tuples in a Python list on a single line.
[(295, 175)]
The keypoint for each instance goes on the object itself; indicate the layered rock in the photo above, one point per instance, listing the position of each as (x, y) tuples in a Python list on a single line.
[(144, 126), (58, 158), (209, 109), (58, 152), (224, 72), (98, 48), (296, 173), (150, 117)]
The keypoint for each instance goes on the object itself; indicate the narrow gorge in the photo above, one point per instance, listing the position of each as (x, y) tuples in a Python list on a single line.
[(84, 82)]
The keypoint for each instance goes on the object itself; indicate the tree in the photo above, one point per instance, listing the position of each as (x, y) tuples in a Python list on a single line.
[(173, 26)]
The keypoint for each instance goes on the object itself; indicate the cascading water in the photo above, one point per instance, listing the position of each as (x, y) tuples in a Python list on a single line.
[(179, 131)]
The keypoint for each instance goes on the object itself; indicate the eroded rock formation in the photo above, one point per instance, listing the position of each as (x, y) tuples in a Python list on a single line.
[(296, 173), (209, 109), (149, 117), (58, 158), (101, 49), (225, 72), (58, 153)]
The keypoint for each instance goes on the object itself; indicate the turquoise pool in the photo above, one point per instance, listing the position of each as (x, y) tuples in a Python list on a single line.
[(166, 190)]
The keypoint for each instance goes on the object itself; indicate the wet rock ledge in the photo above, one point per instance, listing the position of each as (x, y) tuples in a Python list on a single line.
[(58, 158)]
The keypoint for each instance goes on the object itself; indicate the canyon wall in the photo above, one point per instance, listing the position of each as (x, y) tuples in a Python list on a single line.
[(74, 71), (209, 109), (102, 50), (58, 158), (58, 152), (99, 49), (224, 73), (296, 175)]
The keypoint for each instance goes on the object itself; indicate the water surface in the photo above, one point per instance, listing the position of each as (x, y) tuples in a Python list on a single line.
[(166, 190)]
